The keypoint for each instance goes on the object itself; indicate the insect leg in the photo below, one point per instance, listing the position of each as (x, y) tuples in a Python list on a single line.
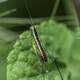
[(54, 60)]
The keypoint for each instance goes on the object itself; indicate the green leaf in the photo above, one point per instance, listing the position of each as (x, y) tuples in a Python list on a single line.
[(24, 64)]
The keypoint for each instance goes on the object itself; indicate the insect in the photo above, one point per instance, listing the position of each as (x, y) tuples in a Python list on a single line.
[(41, 51)]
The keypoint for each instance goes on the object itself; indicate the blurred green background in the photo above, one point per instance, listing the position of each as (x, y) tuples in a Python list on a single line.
[(14, 20)]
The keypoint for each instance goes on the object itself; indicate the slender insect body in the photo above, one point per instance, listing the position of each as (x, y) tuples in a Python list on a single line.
[(38, 45), (41, 53), (35, 36)]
